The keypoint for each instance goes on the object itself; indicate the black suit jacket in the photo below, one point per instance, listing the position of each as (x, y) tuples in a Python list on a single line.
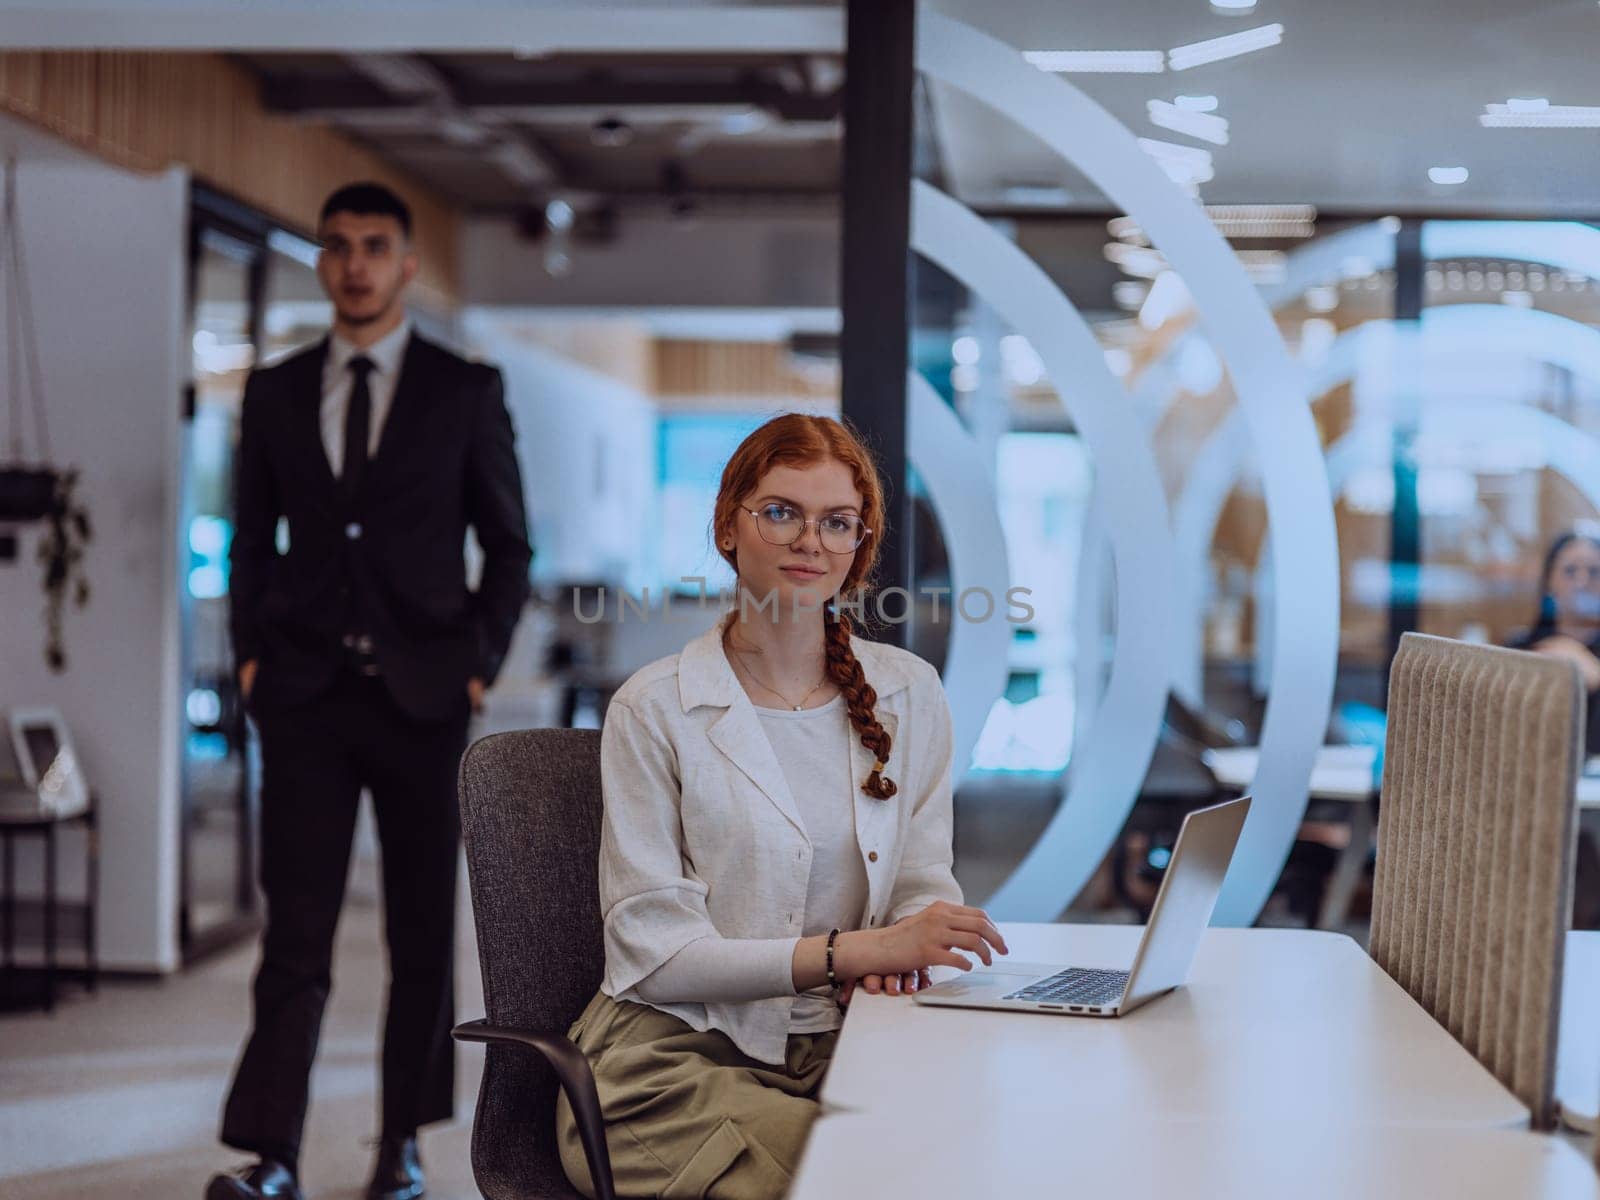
[(446, 460)]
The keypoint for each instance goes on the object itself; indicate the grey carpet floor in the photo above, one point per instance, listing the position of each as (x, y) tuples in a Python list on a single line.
[(118, 1095)]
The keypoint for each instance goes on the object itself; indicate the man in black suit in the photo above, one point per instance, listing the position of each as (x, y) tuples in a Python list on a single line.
[(362, 651)]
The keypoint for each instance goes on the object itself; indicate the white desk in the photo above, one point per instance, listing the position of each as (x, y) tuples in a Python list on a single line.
[(1589, 784), (1578, 1052), (1345, 773), (1281, 1025), (1339, 773), (1035, 1148)]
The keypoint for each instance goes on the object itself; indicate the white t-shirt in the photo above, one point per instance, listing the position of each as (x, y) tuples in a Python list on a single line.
[(813, 748)]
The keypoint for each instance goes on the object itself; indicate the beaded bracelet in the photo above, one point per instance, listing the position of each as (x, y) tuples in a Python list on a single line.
[(833, 981)]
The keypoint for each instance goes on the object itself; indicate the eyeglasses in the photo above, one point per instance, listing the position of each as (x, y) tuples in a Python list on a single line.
[(1573, 572), (781, 525)]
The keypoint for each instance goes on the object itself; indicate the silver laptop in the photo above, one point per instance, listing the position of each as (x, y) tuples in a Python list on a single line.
[(1182, 911)]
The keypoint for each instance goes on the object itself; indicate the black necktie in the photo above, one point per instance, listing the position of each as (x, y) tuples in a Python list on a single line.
[(357, 420)]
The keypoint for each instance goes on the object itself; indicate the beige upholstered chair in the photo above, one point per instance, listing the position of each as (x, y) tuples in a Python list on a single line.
[(1473, 888)]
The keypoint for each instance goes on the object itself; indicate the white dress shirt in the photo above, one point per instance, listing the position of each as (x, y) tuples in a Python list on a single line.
[(387, 354), (703, 841)]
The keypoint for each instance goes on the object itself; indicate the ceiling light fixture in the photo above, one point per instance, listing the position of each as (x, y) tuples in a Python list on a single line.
[(1233, 8), (1236, 221), (1098, 62), (1126, 229), (1201, 104), (1136, 260), (1206, 126), (1532, 115), (611, 132), (1448, 176), (751, 120), (1197, 54), (1183, 164), (1129, 294), (1263, 220), (1322, 298), (1264, 266), (559, 215), (461, 131), (517, 161)]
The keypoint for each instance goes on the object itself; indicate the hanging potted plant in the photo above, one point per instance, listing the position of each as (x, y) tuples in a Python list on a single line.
[(61, 557), (35, 490), (26, 493)]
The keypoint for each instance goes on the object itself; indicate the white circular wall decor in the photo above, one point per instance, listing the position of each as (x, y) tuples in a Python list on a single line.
[(1108, 770), (963, 498), (1306, 621)]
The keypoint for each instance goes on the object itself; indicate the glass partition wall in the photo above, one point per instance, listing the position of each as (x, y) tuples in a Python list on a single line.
[(253, 296)]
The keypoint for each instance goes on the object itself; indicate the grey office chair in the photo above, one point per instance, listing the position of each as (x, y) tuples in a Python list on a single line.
[(1473, 885), (530, 818)]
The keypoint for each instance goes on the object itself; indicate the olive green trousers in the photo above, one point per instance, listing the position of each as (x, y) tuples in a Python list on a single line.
[(688, 1115)]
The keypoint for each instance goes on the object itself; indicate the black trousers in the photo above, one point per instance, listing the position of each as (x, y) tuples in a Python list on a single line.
[(316, 758)]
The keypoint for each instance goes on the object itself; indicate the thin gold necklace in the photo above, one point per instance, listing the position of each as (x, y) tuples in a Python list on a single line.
[(797, 707)]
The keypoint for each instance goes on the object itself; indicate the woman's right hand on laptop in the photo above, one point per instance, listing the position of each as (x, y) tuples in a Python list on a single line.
[(927, 938)]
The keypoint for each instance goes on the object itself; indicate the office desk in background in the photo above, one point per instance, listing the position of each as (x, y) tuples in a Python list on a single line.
[(1346, 773), (1339, 773), (1342, 774)]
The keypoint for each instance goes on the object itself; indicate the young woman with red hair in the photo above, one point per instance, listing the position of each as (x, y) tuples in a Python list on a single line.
[(777, 832)]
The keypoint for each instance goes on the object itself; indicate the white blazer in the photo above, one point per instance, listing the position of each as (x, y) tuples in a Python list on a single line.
[(701, 835)]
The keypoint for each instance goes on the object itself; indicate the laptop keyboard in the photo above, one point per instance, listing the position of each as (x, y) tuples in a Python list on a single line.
[(1075, 985)]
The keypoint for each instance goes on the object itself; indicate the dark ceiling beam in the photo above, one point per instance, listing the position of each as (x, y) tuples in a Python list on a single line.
[(818, 199), (410, 85), (408, 75), (311, 98), (350, 98), (603, 92)]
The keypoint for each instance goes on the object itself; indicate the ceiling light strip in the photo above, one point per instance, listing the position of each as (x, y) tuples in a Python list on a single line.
[(1098, 62), (1198, 54), (1208, 127), (1551, 116)]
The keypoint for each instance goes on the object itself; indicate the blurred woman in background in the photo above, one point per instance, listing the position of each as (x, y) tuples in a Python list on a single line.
[(1568, 624)]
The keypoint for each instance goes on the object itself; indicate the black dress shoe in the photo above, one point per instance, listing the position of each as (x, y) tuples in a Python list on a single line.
[(265, 1178), (397, 1175)]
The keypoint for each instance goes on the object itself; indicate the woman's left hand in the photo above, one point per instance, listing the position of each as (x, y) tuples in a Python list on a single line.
[(892, 985)]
